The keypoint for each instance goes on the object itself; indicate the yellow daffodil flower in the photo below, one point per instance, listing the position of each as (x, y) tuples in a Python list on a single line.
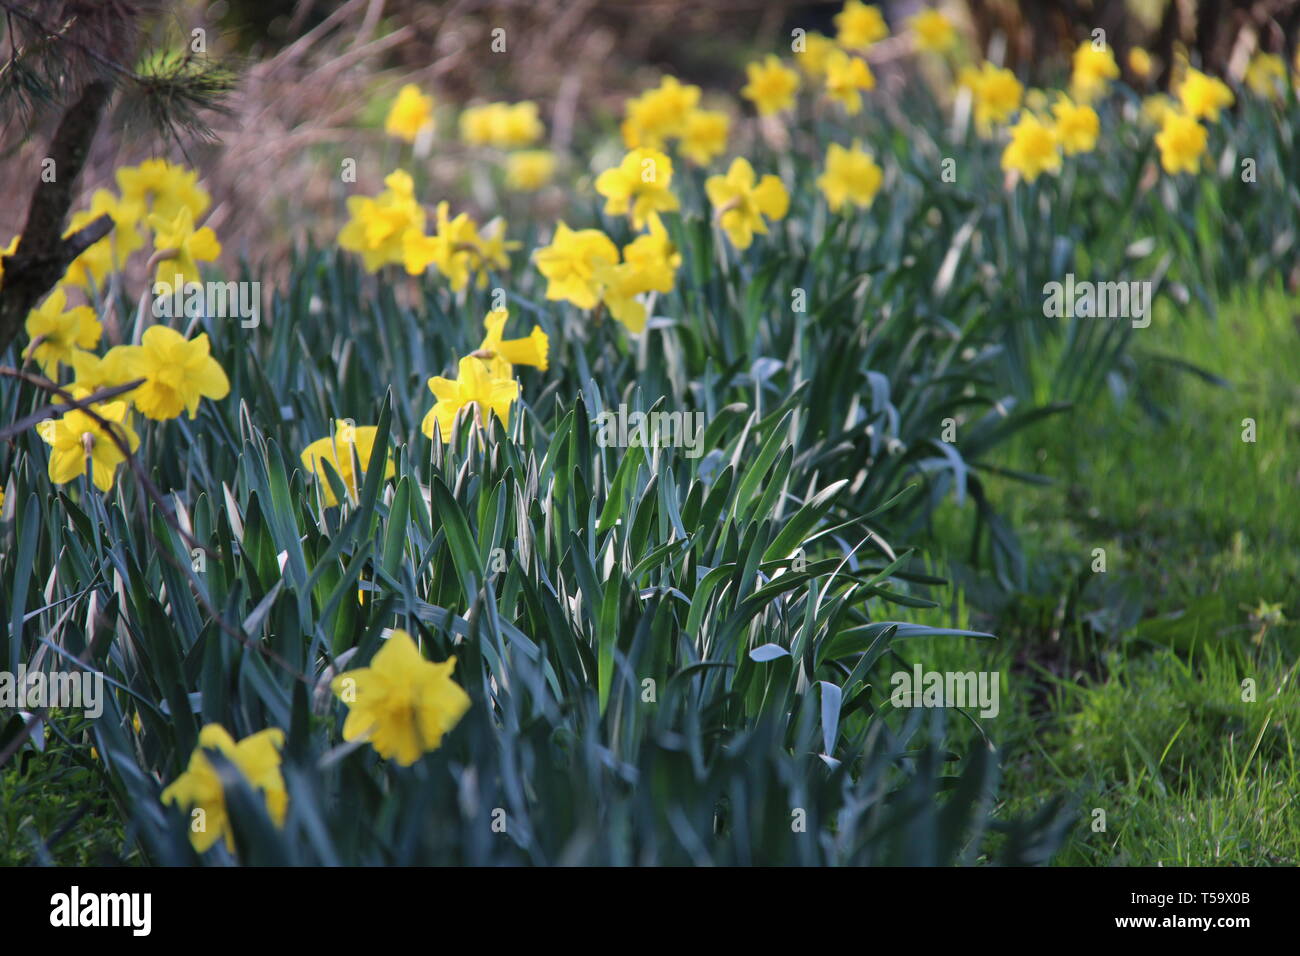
[(932, 32), (529, 170), (410, 114), (1093, 70), (655, 254), (704, 137), (77, 436), (199, 791), (1266, 75), (379, 226), (851, 176), (859, 25), (817, 49), (1203, 96), (56, 332), (502, 125), (996, 93), (570, 262), (1182, 141), (1141, 63), (846, 77), (658, 115), (177, 373), (1077, 126), (163, 189), (1033, 149), (771, 86), (474, 385), (741, 206), (337, 449), (402, 703), (502, 353), (185, 245)]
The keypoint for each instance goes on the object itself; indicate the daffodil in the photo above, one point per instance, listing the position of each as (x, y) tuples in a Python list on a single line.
[(111, 252), (859, 25), (1204, 96), (816, 50), (163, 189), (403, 704), (639, 185), (932, 32), (102, 371), (184, 247), (851, 176), (1266, 75), (474, 385), (1033, 149), (56, 332), (178, 373), (379, 226), (570, 263), (76, 437), (337, 449), (771, 87), (528, 170), (846, 77), (704, 137), (1156, 106), (996, 93), (621, 285), (503, 353), (199, 791), (503, 125), (1181, 140), (741, 206), (410, 115), (1141, 63), (655, 254), (659, 115), (1093, 70), (453, 247), (1077, 126)]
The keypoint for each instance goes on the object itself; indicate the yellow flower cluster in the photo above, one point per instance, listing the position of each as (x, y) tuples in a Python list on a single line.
[(669, 112), (503, 125), (582, 266), (175, 374), (389, 229), (402, 704), (996, 93)]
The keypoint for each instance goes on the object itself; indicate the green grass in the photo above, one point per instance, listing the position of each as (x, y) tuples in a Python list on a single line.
[(1125, 689)]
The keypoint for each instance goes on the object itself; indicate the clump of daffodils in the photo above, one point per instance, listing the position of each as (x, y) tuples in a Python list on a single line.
[(584, 267), (171, 374), (671, 113), (484, 384), (389, 229)]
